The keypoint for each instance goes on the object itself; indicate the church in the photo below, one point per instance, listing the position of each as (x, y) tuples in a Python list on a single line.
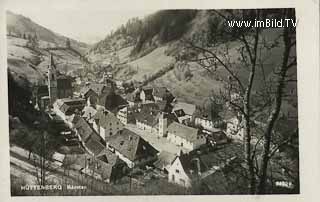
[(56, 86)]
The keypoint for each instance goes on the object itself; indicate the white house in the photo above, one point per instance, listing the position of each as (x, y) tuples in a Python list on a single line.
[(106, 123), (185, 169), (66, 108), (185, 136), (122, 115)]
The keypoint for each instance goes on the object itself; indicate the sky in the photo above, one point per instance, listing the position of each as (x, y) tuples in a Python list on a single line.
[(83, 20)]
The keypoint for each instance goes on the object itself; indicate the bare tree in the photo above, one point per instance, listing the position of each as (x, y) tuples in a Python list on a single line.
[(251, 48)]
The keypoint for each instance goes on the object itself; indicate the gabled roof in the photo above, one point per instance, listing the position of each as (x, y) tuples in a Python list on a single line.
[(105, 118), (93, 145), (70, 105), (89, 137), (187, 108), (96, 87), (108, 157), (133, 97), (163, 93), (190, 164), (183, 131), (148, 93), (179, 113), (112, 101), (131, 145), (164, 159), (88, 112)]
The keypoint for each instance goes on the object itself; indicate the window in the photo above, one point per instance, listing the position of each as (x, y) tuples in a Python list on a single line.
[(110, 124), (118, 123), (172, 177), (177, 171), (110, 133)]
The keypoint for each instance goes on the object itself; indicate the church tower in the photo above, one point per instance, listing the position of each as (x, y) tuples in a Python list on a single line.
[(52, 81), (163, 125)]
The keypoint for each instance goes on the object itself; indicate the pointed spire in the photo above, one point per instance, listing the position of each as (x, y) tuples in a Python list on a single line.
[(52, 61)]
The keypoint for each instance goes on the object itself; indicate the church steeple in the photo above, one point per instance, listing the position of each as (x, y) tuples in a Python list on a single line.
[(52, 80)]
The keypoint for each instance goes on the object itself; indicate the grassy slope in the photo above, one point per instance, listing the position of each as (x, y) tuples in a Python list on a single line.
[(150, 63), (25, 63), (23, 25)]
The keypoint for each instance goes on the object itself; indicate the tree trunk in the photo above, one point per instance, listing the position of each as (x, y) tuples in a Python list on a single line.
[(274, 114)]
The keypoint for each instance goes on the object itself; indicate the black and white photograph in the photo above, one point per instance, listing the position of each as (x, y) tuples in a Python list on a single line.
[(106, 102)]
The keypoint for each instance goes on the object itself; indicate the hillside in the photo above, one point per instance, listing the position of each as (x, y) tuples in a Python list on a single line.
[(27, 62), (18, 25), (141, 53)]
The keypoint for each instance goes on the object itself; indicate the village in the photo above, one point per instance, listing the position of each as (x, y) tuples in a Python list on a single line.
[(147, 134)]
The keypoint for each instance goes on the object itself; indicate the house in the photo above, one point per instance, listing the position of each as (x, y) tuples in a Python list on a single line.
[(182, 116), (122, 115), (66, 108), (111, 101), (165, 159), (90, 140), (162, 94), (147, 116), (193, 167), (92, 91), (146, 95), (133, 98), (147, 119), (88, 113), (107, 166), (106, 123), (185, 169), (131, 148), (185, 136), (217, 138), (96, 88), (184, 111)]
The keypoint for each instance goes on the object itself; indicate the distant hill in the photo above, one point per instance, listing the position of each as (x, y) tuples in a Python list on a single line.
[(28, 65), (144, 47), (20, 25)]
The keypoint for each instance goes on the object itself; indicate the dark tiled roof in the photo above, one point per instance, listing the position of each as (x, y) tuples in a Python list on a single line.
[(95, 146), (190, 164), (89, 137), (111, 101), (148, 93), (70, 106), (179, 112), (131, 145)]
